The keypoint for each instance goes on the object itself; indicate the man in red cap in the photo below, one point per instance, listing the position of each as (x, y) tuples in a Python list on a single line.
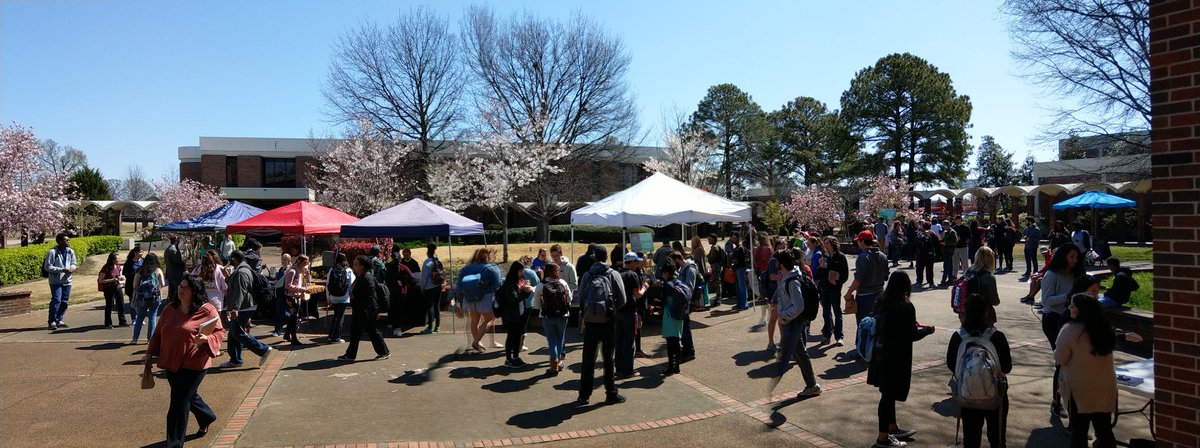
[(870, 273)]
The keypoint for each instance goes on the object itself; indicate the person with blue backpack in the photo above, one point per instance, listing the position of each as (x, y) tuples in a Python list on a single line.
[(890, 370), (870, 271), (149, 282), (476, 293), (979, 357)]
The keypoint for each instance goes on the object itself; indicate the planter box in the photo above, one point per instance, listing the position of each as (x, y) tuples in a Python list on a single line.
[(14, 302)]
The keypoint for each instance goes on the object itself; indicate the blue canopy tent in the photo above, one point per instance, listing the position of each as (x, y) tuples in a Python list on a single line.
[(415, 219), (214, 220), (1095, 200)]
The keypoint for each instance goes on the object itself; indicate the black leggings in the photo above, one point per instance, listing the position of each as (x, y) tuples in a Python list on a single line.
[(887, 412), (1099, 421), (515, 324), (673, 353), (1052, 323)]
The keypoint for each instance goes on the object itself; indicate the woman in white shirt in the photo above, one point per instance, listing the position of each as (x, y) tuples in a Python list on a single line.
[(213, 276), (341, 266)]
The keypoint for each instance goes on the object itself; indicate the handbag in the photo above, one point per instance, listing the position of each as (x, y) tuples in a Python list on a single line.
[(147, 376), (729, 276), (851, 306)]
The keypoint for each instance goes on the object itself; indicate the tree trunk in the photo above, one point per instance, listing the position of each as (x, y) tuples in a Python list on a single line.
[(543, 229), (505, 239)]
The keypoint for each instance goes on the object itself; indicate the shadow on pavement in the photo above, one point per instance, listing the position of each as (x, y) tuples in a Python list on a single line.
[(422, 376), (551, 417), (320, 364), (751, 356), (511, 385), (20, 330), (104, 346), (945, 408), (1053, 436), (74, 330), (843, 371)]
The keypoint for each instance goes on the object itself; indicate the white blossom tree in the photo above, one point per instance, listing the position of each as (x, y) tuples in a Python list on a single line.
[(27, 192), (687, 158), (367, 172), (489, 169)]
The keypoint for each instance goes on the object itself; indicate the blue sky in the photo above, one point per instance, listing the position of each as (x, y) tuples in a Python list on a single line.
[(129, 82)]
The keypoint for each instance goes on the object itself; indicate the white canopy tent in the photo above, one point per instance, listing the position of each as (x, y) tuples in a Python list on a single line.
[(660, 200)]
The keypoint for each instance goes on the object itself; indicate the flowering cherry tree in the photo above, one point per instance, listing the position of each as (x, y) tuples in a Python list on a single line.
[(687, 158), (366, 173), (886, 192), (27, 193), (182, 200), (489, 170), (815, 207)]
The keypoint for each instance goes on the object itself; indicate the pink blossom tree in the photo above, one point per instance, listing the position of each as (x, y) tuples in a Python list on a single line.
[(815, 207), (886, 192), (27, 193), (182, 200), (367, 172)]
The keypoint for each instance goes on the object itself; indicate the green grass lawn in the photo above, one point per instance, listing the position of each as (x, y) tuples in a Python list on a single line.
[(1127, 253), (1143, 298)]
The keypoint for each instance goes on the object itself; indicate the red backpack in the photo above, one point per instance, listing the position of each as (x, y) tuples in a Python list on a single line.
[(963, 287)]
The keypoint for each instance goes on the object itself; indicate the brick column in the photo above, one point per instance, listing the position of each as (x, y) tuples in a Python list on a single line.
[(1175, 160)]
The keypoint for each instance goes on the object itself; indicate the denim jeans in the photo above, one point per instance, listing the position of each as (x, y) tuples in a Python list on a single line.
[(433, 305), (282, 315), (146, 311), (742, 301), (240, 338), (687, 346), (339, 314), (831, 313), (793, 348), (59, 296), (948, 274), (555, 329), (866, 304), (185, 400), (623, 339), (1031, 261)]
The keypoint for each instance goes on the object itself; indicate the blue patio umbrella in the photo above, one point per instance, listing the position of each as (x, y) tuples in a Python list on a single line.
[(1095, 199)]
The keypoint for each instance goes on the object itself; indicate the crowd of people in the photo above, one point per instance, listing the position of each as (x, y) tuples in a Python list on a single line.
[(610, 296)]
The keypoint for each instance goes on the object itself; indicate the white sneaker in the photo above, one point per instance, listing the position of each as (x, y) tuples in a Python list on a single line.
[(397, 333), (840, 343), (810, 391), (262, 360)]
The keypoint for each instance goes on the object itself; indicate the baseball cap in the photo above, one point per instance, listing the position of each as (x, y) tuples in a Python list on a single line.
[(865, 235), (631, 257)]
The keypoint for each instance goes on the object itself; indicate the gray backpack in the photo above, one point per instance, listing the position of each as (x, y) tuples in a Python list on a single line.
[(596, 296)]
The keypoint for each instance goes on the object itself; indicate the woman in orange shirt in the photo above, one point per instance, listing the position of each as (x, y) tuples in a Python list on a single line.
[(189, 336)]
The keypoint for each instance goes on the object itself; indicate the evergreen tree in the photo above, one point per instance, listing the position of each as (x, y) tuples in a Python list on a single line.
[(994, 164), (912, 113), (88, 183), (734, 120)]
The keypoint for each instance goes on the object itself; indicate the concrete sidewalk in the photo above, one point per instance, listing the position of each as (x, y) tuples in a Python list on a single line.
[(85, 379)]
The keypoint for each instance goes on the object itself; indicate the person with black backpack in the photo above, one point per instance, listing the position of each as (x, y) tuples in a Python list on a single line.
[(240, 303), (600, 293), (798, 304), (433, 280), (978, 356), (367, 298), (553, 298), (337, 288)]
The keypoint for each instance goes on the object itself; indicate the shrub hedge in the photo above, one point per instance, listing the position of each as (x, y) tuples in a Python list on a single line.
[(20, 264), (583, 233)]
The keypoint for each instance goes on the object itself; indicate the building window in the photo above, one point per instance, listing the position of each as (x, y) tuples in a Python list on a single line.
[(629, 174), (231, 171), (279, 173)]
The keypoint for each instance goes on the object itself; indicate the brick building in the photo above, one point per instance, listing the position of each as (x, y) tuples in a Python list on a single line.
[(1175, 160), (269, 172)]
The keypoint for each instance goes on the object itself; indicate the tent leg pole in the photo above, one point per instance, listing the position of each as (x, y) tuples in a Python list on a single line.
[(572, 241), (623, 248), (449, 259)]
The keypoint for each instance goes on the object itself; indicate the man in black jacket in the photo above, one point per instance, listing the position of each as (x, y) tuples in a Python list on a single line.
[(174, 268), (1123, 285), (239, 307)]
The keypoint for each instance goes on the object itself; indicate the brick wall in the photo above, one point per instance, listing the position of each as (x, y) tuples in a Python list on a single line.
[(189, 170), (249, 171), (212, 170), (1175, 161), (14, 302)]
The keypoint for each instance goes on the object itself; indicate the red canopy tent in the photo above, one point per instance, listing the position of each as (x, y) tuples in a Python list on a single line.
[(298, 218)]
